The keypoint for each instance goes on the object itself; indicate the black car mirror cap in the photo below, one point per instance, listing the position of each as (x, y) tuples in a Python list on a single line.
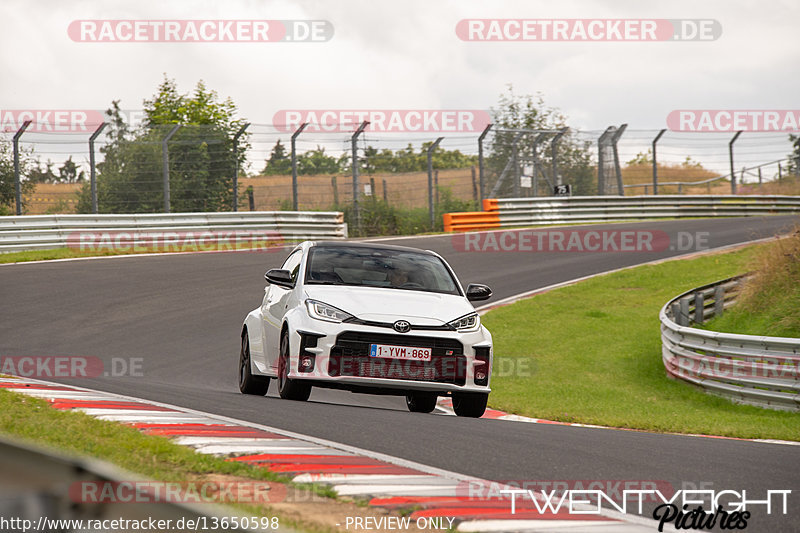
[(477, 292), (279, 277)]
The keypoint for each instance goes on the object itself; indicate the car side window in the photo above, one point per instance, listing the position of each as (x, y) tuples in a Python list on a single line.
[(292, 264)]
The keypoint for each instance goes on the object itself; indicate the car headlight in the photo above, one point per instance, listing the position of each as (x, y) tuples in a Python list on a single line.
[(323, 311), (466, 323)]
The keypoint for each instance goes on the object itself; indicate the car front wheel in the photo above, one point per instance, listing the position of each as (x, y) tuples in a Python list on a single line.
[(289, 389), (471, 404), (421, 402), (248, 383)]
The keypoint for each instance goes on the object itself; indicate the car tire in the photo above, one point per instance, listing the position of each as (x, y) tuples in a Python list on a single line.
[(289, 389), (248, 383), (421, 402), (470, 404)]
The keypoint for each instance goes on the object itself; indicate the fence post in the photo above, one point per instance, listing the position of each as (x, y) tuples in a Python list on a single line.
[(335, 191), (297, 132), (436, 186), (481, 179), (730, 158), (474, 185), (779, 172), (385, 198), (515, 159), (601, 173), (92, 172), (251, 198), (553, 157), (759, 177), (617, 169), (236, 165), (431, 148), (17, 182), (537, 169), (165, 165), (655, 164), (372, 190), (354, 148)]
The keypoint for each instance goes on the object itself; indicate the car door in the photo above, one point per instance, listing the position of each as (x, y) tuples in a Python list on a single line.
[(274, 308)]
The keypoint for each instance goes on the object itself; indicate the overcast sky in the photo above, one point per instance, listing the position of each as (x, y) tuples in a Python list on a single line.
[(406, 55)]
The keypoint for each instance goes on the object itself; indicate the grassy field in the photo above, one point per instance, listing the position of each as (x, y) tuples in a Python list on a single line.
[(591, 353), (769, 303)]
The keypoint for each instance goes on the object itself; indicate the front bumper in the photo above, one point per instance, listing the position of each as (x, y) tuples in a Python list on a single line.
[(340, 354)]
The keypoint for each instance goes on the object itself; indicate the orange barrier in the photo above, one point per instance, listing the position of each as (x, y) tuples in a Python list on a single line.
[(476, 220)]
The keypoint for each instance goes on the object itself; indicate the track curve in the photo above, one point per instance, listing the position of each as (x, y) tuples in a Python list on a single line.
[(181, 314)]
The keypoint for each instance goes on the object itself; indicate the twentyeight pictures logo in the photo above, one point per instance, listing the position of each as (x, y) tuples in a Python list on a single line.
[(591, 30), (382, 120), (199, 31)]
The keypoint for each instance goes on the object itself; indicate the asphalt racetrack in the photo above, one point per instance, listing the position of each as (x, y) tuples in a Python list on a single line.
[(182, 314)]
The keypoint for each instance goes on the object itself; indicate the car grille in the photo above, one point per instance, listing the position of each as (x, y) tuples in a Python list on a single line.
[(350, 357)]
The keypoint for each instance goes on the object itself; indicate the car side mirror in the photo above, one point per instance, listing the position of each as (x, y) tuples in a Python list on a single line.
[(477, 292), (281, 278)]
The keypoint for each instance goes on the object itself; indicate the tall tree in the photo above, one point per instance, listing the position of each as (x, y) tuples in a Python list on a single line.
[(279, 162), (7, 189), (794, 157), (530, 112), (201, 155)]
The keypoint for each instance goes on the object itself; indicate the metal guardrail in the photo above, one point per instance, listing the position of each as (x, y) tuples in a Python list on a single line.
[(757, 370), (38, 484), (513, 212), (38, 232)]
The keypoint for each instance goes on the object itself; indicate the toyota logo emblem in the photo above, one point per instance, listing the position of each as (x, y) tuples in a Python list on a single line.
[(402, 326)]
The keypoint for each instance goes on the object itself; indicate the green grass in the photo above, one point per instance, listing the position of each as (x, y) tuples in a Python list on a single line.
[(153, 457), (70, 253), (769, 303), (54, 253), (591, 353)]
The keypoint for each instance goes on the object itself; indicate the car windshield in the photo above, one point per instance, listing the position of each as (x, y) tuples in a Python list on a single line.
[(379, 267)]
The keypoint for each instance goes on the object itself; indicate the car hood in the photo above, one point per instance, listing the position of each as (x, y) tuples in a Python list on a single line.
[(387, 305)]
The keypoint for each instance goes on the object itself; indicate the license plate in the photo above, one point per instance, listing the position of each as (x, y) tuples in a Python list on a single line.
[(387, 351)]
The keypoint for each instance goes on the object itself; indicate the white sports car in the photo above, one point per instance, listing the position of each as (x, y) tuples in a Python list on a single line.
[(368, 318)]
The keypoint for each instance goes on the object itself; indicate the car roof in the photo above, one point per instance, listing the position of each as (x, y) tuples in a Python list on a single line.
[(369, 246)]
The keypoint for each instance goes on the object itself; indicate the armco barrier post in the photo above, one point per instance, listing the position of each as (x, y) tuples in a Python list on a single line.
[(92, 170), (236, 165), (431, 148), (17, 182), (165, 164), (655, 164)]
